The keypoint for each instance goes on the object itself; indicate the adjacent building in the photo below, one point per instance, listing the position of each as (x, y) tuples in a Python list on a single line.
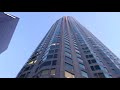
[(69, 50), (8, 24)]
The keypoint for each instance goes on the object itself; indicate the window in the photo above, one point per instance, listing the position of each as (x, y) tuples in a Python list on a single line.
[(68, 54), (96, 67), (68, 67), (51, 51), (85, 48), (92, 68), (44, 72), (67, 49), (31, 62), (55, 55), (52, 72), (54, 62), (75, 45), (56, 50), (66, 45), (35, 61), (66, 40), (27, 68), (49, 56), (81, 66), (69, 75), (45, 64), (52, 47), (76, 48), (77, 51), (89, 56), (91, 61), (78, 55), (68, 59), (79, 60), (84, 74), (87, 51), (55, 40)]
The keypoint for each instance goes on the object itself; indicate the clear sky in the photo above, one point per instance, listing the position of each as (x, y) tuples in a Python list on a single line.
[(33, 26)]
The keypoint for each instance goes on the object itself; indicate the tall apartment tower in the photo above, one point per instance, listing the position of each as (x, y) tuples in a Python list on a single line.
[(69, 50), (8, 24)]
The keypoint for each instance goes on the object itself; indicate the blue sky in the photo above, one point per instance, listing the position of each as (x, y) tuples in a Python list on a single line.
[(33, 26)]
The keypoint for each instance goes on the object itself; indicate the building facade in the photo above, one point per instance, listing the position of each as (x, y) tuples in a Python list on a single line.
[(69, 50), (8, 24)]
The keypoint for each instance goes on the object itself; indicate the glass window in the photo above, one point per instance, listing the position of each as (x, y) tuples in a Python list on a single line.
[(56, 50), (55, 55), (67, 49), (47, 63), (68, 54), (97, 67), (79, 60), (89, 56), (44, 72), (66, 40), (49, 56), (81, 66), (69, 75), (52, 72), (93, 61), (92, 68), (67, 46), (52, 47), (54, 62), (31, 62), (68, 67), (27, 68), (84, 74), (89, 61), (51, 51), (78, 55), (68, 59), (87, 51), (76, 47), (77, 51), (67, 43)]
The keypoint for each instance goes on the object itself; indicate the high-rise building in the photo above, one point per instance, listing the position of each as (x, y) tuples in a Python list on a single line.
[(8, 24), (69, 50)]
